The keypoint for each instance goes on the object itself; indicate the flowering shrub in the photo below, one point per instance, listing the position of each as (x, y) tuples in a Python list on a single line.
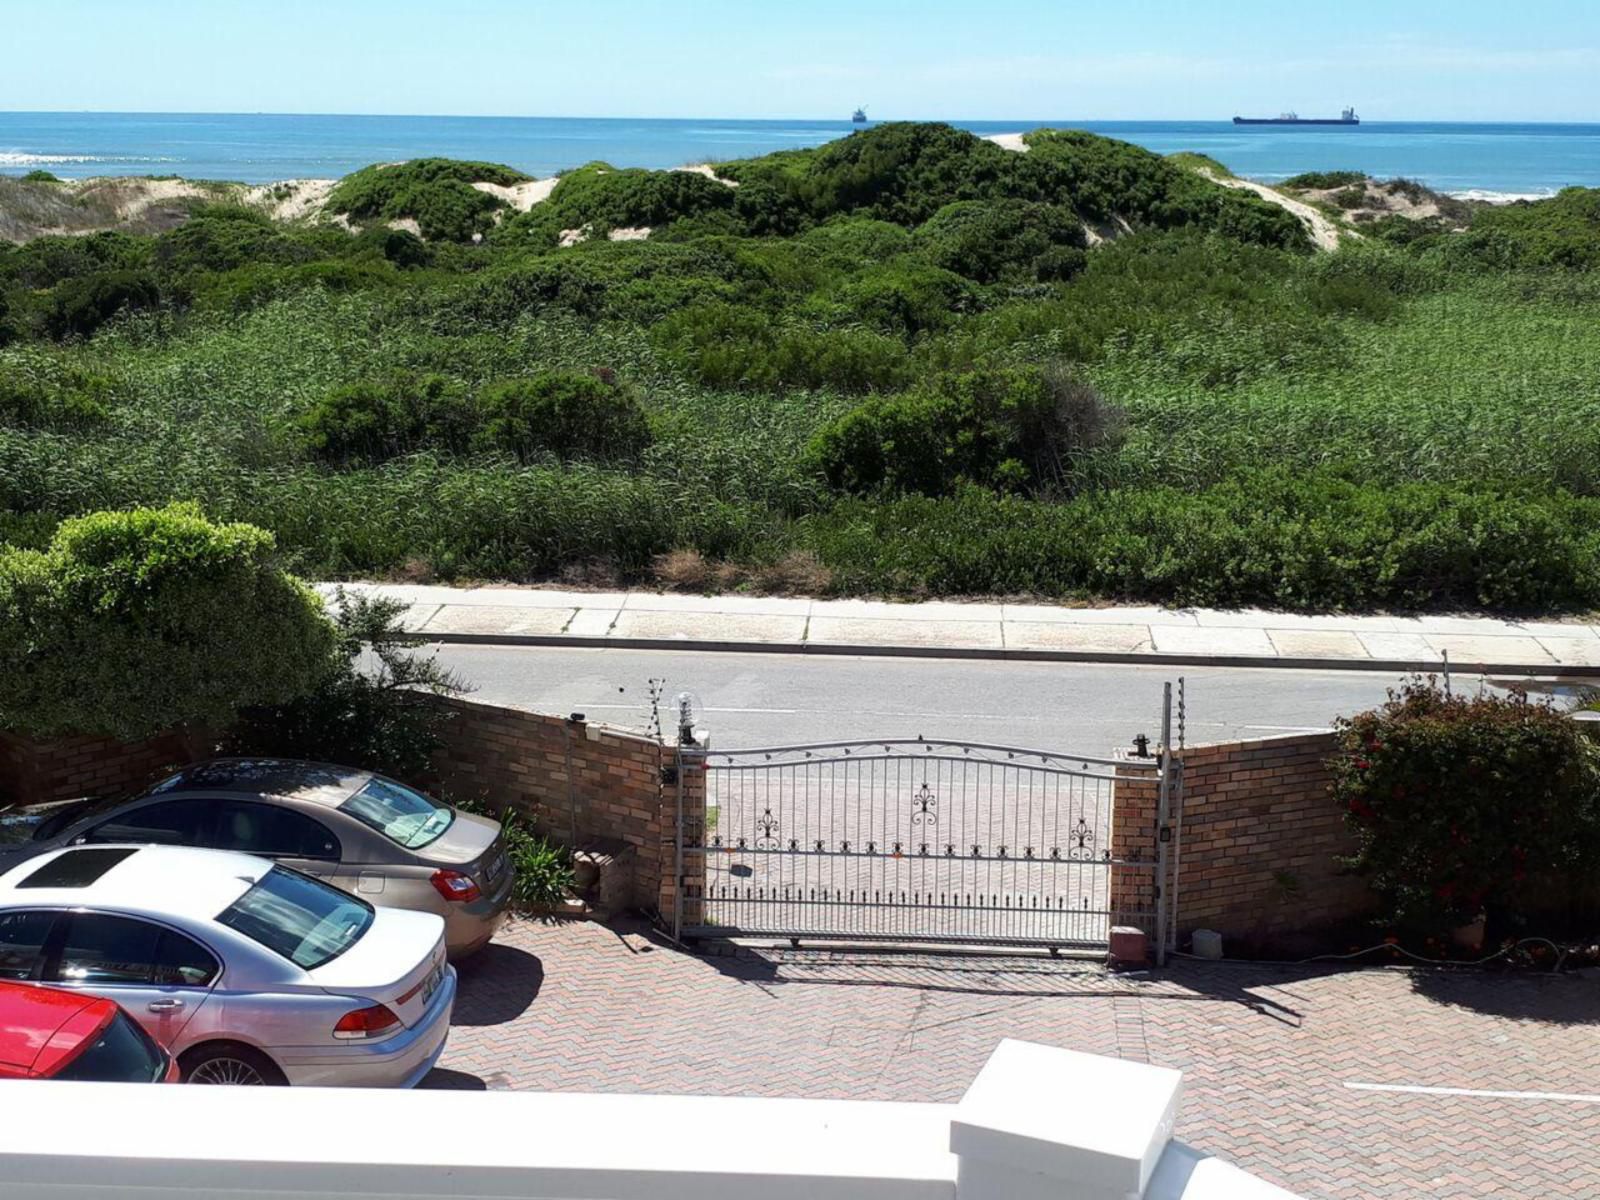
[(1462, 805)]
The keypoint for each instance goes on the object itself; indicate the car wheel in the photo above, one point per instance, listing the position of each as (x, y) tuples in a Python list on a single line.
[(230, 1063)]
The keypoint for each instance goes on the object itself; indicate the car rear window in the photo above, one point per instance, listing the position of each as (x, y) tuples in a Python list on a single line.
[(406, 817), (120, 1053), (301, 918)]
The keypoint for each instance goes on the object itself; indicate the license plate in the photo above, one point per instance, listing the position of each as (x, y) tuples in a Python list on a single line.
[(430, 985)]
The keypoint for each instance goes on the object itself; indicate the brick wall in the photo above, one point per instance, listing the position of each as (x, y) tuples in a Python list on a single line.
[(612, 793), (35, 771), (1133, 845), (1260, 839)]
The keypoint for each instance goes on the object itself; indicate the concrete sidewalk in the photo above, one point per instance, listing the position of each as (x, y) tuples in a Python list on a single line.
[(777, 624)]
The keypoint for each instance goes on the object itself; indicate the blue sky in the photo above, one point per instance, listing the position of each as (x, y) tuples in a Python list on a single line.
[(1134, 59)]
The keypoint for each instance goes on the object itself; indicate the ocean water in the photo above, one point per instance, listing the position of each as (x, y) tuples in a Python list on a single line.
[(1475, 160)]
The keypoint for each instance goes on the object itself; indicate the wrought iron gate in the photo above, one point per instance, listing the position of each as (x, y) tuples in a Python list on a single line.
[(912, 840)]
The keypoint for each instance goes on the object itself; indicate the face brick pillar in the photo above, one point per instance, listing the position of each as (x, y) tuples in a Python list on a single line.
[(1134, 793), (689, 888)]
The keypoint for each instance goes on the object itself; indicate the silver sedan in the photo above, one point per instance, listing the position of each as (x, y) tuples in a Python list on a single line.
[(247, 972)]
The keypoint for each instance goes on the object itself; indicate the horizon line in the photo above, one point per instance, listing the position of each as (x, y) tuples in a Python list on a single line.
[(1036, 121)]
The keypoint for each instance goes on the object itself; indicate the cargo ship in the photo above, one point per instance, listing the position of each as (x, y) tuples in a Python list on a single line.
[(859, 117), (1347, 117)]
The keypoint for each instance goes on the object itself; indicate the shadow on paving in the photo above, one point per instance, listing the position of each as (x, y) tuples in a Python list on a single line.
[(1245, 984), (1549, 999), (497, 985)]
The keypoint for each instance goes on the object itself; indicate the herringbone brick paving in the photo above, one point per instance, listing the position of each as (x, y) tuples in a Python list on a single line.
[(1267, 1050)]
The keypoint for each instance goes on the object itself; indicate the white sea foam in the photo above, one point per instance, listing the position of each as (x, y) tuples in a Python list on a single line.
[(1499, 197), (21, 158)]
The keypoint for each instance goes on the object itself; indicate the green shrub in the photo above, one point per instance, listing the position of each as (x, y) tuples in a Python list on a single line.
[(600, 198), (723, 345), (1323, 181), (997, 240), (1466, 805), (377, 419), (542, 872), (222, 237), (907, 297), (134, 622), (1008, 429), (372, 710), (1306, 542), (67, 399), (39, 176), (1563, 231), (565, 413), (47, 261), (437, 193), (79, 307)]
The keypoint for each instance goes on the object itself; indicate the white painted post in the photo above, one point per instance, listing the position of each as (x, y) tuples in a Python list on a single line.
[(1040, 1123)]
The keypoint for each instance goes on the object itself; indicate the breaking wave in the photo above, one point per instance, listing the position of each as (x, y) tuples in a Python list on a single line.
[(1491, 197), (20, 158)]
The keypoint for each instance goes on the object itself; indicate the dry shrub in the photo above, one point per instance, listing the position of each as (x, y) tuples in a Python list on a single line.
[(798, 573), (591, 573), (683, 570), (416, 569)]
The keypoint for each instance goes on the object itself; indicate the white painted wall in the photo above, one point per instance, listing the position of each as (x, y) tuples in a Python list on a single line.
[(1038, 1122)]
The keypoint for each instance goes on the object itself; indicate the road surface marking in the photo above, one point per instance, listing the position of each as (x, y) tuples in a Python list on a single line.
[(1568, 1097)]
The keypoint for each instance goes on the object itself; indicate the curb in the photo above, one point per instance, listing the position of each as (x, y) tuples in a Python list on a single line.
[(1110, 657)]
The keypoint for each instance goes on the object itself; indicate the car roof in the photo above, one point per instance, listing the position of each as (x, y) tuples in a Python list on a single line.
[(30, 1018), (288, 778), (173, 880)]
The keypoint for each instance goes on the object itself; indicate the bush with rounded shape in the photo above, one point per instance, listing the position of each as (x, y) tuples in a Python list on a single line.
[(134, 622), (1463, 805), (995, 240), (570, 414), (377, 419), (1006, 428), (908, 297), (437, 193), (80, 306)]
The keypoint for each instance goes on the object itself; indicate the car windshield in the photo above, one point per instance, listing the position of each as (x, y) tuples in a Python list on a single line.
[(406, 817), (122, 1053), (301, 918)]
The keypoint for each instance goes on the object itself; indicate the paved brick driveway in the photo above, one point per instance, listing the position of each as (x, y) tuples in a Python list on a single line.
[(583, 1007)]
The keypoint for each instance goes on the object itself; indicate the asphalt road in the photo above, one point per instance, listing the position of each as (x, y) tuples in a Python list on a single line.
[(776, 699)]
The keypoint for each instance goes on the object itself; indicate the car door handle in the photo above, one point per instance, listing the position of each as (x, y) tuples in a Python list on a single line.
[(165, 1005)]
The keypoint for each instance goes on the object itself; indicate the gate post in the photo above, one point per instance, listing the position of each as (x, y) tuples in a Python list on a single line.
[(1163, 830), (683, 893)]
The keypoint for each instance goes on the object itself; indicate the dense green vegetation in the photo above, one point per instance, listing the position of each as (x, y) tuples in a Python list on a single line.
[(908, 361), (437, 193), (1469, 807), (133, 622)]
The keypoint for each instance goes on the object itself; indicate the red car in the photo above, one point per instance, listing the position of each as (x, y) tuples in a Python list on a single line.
[(51, 1034)]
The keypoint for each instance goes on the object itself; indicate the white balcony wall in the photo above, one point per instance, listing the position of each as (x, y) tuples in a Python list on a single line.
[(1038, 1122)]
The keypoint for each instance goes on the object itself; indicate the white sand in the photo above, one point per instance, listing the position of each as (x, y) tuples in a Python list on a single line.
[(1008, 141), (1323, 231), (521, 196), (705, 169), (291, 199)]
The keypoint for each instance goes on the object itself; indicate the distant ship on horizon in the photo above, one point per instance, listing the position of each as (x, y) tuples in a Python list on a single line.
[(859, 117), (1347, 117)]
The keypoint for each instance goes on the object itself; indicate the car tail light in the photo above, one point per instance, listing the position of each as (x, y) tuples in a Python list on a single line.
[(366, 1022), (455, 886)]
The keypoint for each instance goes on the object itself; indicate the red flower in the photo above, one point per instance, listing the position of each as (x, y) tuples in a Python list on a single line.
[(1362, 764)]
